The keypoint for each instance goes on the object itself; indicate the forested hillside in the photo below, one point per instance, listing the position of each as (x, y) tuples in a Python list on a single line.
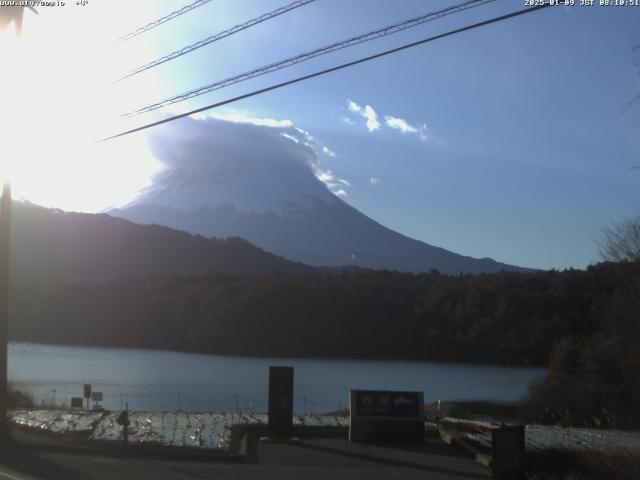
[(507, 318), (51, 246)]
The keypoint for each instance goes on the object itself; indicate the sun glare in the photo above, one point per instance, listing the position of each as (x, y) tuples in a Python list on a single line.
[(55, 96)]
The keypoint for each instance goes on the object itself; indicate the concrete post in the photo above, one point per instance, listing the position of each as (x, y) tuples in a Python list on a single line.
[(5, 231), (280, 403), (508, 442)]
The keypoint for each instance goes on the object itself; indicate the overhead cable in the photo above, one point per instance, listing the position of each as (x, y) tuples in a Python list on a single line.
[(329, 70), (160, 21), (382, 32), (214, 38)]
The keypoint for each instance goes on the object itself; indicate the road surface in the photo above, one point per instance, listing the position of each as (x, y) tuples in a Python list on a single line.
[(333, 459)]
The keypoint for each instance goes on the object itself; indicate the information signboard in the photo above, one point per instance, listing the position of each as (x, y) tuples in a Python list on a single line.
[(386, 415), (375, 403)]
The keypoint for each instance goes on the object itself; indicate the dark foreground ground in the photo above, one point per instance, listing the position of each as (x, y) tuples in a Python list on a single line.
[(33, 457)]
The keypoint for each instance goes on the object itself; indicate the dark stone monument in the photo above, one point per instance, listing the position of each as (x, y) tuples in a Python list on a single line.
[(280, 403), (386, 416), (508, 442)]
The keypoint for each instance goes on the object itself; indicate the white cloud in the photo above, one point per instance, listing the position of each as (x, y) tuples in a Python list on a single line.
[(374, 181), (399, 124), (368, 113), (403, 126), (396, 123), (240, 117), (308, 137), (424, 133), (335, 184), (327, 177), (290, 137), (238, 135), (329, 152), (372, 118), (353, 106)]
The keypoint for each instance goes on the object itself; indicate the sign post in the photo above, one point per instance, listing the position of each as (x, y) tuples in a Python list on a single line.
[(123, 419), (380, 416), (280, 403), (87, 393), (96, 397)]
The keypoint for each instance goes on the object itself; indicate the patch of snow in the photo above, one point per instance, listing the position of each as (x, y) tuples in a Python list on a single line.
[(542, 437), (57, 421), (182, 429)]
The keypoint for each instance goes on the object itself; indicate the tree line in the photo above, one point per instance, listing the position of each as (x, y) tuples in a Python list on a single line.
[(509, 318), (594, 380)]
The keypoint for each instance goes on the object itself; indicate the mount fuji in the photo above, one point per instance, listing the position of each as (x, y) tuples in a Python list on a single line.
[(261, 182)]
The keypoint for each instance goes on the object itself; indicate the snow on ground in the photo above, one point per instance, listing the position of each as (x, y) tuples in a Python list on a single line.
[(213, 430), (541, 437), (57, 421), (183, 429)]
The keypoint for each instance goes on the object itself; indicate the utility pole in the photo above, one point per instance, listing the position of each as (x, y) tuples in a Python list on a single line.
[(8, 14), (5, 224)]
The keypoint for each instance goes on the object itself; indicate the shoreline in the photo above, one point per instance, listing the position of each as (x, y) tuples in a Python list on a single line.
[(292, 357)]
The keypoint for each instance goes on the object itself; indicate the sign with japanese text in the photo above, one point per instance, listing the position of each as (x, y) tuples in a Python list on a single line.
[(376, 403)]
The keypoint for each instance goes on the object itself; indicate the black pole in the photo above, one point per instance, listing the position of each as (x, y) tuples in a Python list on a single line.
[(5, 225), (125, 431)]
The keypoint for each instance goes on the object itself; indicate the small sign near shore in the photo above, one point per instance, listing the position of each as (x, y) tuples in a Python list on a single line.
[(386, 415)]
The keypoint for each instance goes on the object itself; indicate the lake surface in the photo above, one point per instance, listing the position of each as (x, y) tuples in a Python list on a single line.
[(162, 380)]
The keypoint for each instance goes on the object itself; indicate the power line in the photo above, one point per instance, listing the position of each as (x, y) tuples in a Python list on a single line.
[(330, 70), (216, 37), (382, 32), (160, 21)]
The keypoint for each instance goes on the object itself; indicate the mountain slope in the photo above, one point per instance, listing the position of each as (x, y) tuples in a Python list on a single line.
[(226, 179), (330, 235), (49, 245)]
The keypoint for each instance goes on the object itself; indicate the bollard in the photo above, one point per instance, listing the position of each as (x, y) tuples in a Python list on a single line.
[(508, 442)]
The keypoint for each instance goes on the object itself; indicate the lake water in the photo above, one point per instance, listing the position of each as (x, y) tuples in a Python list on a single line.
[(162, 380)]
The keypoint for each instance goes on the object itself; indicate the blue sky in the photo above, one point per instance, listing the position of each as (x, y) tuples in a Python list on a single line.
[(516, 145)]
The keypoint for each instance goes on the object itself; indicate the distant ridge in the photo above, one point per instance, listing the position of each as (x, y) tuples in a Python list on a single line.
[(50, 245)]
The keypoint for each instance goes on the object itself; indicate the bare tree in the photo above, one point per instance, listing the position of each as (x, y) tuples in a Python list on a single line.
[(636, 99), (621, 241)]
